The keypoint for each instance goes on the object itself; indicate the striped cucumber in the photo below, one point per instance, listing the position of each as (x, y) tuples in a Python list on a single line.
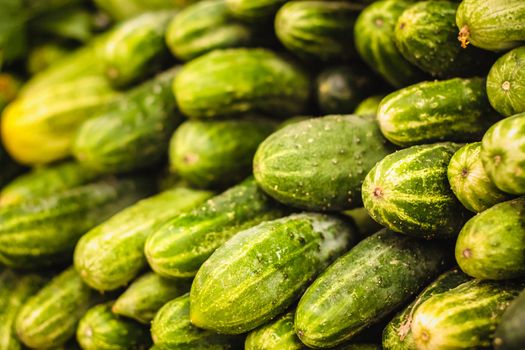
[(279, 334), (254, 11)]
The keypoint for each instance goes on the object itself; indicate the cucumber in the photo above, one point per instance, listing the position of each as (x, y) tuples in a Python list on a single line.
[(44, 231), (317, 30), (391, 267), (254, 11), (236, 81), (49, 318), (503, 154), (374, 36), (45, 181), (462, 318), (369, 105), (339, 89), (136, 48), (495, 25), (398, 334), (506, 83), (134, 132), (276, 335), (181, 246), (364, 223), (408, 192), (43, 56), (449, 110), (261, 271), (171, 329), (469, 180), (491, 245), (203, 27), (125, 9), (100, 329), (112, 254), (146, 295), (319, 164), (509, 334)]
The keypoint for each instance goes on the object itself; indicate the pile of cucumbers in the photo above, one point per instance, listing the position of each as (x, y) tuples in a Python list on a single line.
[(262, 174)]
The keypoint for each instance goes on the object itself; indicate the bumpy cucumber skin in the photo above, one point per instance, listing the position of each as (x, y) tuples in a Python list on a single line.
[(237, 81), (181, 246), (503, 154), (449, 110), (506, 83), (261, 271), (408, 192), (319, 164), (491, 245), (509, 334), (112, 254), (469, 180), (369, 106), (254, 11), (389, 266)]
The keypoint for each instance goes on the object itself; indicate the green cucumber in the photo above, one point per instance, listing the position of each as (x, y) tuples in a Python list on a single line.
[(364, 223), (506, 83), (254, 11), (391, 267), (369, 106), (134, 132), (171, 329), (469, 180), (276, 335), (49, 318), (398, 334), (408, 192), (449, 110), (136, 48), (125, 9), (112, 254), (491, 245), (374, 41), (100, 329), (462, 318), (203, 27), (509, 334), (261, 271), (46, 181), (320, 164), (181, 246), (44, 231), (503, 154), (495, 25), (146, 295), (218, 153), (43, 56), (317, 30), (236, 81)]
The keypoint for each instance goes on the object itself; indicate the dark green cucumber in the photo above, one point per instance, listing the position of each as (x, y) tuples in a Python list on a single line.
[(448, 110), (391, 267), (464, 317), (341, 88), (318, 30), (398, 334), (261, 271), (218, 153), (491, 245), (171, 329), (408, 192), (45, 181), (320, 164), (509, 334), (254, 11), (236, 81), (426, 35), (136, 48), (495, 25), (369, 106), (503, 154), (44, 231), (374, 40), (134, 132), (179, 248), (100, 329), (203, 27), (469, 180), (49, 318), (112, 254), (146, 295), (506, 83)]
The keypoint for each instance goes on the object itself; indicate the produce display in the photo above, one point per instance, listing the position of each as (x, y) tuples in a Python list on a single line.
[(262, 174)]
